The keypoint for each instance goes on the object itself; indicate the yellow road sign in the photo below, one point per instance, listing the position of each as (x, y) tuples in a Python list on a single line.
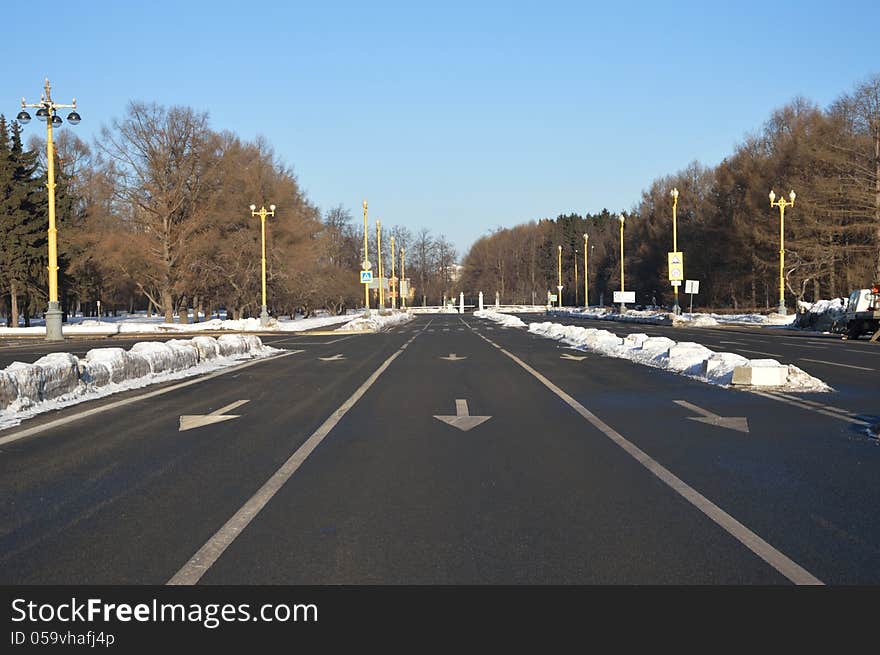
[(676, 266)]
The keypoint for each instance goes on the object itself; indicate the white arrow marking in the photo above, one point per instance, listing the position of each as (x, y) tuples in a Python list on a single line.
[(574, 358), (462, 419), (190, 421), (453, 358), (335, 358), (738, 423)]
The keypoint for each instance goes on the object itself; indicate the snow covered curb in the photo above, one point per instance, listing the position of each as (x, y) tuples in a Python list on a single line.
[(61, 379), (682, 320), (109, 327), (685, 358), (378, 322), (631, 316), (503, 319)]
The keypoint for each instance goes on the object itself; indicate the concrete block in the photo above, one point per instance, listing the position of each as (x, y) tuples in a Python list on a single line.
[(761, 373)]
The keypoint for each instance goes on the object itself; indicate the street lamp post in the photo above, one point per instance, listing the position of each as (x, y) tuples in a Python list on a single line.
[(586, 271), (559, 276), (782, 204), (622, 220), (576, 281), (675, 309), (264, 314), (403, 276), (393, 278), (379, 264), (47, 110), (365, 265)]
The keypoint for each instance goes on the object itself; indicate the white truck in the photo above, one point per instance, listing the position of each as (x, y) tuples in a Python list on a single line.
[(862, 314)]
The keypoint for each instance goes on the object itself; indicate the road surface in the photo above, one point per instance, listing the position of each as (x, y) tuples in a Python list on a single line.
[(338, 470)]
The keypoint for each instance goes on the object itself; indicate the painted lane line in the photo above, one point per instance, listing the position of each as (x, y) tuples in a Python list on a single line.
[(775, 558), (813, 403), (759, 352), (825, 412), (191, 572), (819, 361), (803, 345), (45, 427)]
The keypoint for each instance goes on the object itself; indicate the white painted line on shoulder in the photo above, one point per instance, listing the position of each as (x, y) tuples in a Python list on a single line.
[(57, 423), (832, 412), (191, 572), (820, 361), (775, 558), (758, 352)]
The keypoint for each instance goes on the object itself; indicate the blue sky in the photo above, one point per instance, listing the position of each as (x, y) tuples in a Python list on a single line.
[(461, 117)]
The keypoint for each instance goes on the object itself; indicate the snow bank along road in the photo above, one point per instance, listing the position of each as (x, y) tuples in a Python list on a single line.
[(450, 450)]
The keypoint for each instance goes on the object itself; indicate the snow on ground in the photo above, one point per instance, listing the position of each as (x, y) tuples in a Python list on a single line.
[(502, 319), (378, 322), (433, 310), (685, 358), (820, 315), (140, 324), (656, 317), (61, 379), (517, 309)]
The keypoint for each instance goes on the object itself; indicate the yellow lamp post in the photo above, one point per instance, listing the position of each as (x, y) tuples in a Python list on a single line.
[(264, 314), (365, 265), (675, 309), (393, 279), (782, 204), (379, 264), (559, 276), (586, 271), (47, 110), (622, 220), (576, 282), (403, 277)]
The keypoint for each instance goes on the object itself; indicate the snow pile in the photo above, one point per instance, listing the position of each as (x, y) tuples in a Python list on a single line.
[(668, 318), (62, 379), (517, 309), (820, 315), (140, 324), (685, 358), (434, 310), (629, 316), (693, 320), (502, 319), (378, 322)]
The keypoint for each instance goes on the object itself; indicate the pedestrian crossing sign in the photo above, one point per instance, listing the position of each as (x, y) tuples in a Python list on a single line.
[(676, 266), (366, 277)]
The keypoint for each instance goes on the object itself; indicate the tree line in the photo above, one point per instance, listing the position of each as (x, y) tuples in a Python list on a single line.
[(726, 228), (154, 216)]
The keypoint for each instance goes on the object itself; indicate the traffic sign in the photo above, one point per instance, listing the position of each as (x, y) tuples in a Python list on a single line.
[(692, 286), (625, 296), (553, 297), (366, 265), (675, 283), (676, 266), (366, 277)]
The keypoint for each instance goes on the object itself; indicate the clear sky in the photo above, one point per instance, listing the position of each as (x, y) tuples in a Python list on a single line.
[(458, 116)]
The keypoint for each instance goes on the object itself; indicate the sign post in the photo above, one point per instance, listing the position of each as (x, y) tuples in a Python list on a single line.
[(692, 287)]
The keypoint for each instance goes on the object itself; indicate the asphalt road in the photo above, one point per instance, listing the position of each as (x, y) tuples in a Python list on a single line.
[(337, 471)]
